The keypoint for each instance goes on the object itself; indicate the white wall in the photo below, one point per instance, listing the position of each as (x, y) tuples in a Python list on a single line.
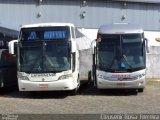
[(151, 35), (90, 33), (153, 62), (153, 57)]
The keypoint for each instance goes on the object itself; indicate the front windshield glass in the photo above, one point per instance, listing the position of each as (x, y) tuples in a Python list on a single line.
[(57, 57), (29, 55), (43, 56), (118, 53)]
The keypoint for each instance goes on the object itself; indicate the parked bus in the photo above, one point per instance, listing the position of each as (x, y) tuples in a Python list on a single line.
[(119, 59), (48, 57), (8, 71)]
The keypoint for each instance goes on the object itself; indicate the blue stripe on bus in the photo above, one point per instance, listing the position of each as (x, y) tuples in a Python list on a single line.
[(6, 65)]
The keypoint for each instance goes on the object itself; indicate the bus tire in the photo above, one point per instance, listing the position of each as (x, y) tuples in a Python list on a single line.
[(78, 82), (90, 79), (140, 89), (74, 92), (102, 90)]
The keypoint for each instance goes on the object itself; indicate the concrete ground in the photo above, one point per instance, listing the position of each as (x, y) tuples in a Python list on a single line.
[(88, 101)]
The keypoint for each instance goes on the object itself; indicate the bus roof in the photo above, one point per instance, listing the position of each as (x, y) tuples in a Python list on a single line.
[(120, 28), (47, 25)]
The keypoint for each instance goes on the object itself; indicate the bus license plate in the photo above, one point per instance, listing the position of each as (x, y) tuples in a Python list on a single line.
[(121, 84), (43, 85)]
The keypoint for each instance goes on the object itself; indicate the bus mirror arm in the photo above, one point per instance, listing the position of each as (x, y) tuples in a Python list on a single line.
[(73, 48), (11, 46), (146, 44), (93, 45)]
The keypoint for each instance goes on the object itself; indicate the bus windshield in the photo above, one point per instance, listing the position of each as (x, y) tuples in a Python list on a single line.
[(48, 56), (121, 53)]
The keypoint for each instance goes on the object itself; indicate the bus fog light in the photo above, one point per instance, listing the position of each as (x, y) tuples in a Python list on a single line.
[(65, 77), (141, 83), (141, 75)]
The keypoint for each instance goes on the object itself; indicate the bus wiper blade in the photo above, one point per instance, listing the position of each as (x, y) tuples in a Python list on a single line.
[(124, 56), (56, 71)]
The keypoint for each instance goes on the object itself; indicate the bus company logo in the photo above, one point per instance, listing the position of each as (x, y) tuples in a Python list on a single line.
[(121, 75), (43, 75)]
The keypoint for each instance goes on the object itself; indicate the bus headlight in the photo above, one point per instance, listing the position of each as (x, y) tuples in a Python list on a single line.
[(23, 78), (141, 75), (65, 77)]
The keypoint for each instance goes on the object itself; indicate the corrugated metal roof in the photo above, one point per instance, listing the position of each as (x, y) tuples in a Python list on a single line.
[(144, 1)]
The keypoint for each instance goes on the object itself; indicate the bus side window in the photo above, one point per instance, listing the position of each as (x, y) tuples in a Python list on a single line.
[(73, 33), (74, 61)]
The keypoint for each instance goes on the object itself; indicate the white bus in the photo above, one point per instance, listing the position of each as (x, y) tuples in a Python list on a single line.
[(48, 57), (120, 57)]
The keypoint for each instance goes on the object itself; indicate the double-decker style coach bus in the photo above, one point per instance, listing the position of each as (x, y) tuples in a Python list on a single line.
[(48, 57), (120, 57)]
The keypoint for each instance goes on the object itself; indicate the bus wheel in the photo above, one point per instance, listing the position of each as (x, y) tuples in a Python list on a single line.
[(90, 78), (78, 82), (74, 92), (140, 89), (102, 90)]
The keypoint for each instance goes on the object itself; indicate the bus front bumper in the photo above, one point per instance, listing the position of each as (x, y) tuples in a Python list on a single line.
[(135, 84), (59, 85)]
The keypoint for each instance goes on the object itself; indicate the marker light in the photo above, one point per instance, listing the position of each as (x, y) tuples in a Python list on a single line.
[(99, 38)]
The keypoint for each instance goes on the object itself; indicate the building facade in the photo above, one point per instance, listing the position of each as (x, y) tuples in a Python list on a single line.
[(82, 13)]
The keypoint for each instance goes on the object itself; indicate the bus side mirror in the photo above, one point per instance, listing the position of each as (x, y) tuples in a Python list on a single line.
[(11, 46), (146, 44), (74, 46), (1, 43), (93, 45)]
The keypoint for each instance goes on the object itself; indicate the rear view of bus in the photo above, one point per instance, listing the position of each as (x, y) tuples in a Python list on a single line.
[(120, 57)]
